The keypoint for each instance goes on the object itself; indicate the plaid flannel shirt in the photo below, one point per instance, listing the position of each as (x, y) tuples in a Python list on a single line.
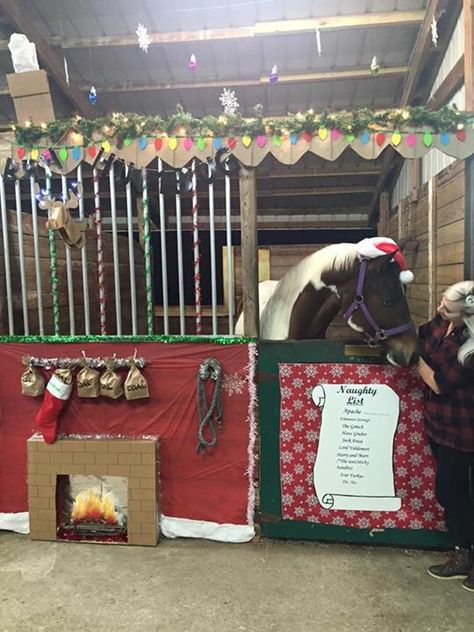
[(449, 416)]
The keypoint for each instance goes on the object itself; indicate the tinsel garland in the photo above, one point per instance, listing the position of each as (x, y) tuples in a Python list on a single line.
[(171, 339), (53, 268), (94, 363), (253, 429), (123, 128)]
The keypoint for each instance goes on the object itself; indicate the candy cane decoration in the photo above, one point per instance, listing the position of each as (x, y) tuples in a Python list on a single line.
[(100, 253), (147, 254), (197, 256)]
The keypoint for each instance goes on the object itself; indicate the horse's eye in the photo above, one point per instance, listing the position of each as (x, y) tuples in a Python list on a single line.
[(388, 303)]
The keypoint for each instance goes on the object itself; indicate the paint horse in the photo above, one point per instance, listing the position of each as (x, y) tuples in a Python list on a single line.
[(59, 217), (368, 289)]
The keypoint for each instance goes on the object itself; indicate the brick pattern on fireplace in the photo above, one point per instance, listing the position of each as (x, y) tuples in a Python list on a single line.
[(135, 459)]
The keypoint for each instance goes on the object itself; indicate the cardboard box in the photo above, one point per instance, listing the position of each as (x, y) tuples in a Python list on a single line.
[(31, 96)]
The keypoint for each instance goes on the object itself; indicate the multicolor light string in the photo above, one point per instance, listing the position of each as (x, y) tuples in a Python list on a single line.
[(53, 269), (197, 255), (147, 254), (100, 254)]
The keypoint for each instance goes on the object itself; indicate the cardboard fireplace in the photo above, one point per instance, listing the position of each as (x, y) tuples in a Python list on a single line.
[(94, 490)]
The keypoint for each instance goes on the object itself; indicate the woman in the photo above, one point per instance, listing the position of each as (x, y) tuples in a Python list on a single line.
[(446, 366)]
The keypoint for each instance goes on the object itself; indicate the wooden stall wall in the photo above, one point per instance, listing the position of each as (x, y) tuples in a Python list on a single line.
[(32, 297), (432, 222)]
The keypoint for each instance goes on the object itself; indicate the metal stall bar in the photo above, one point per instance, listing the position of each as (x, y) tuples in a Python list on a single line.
[(212, 245), (100, 254), (113, 215), (179, 239), (21, 253), (85, 277), (197, 256), (70, 285), (164, 266), (131, 252), (147, 251), (6, 254), (53, 267), (230, 269), (34, 222)]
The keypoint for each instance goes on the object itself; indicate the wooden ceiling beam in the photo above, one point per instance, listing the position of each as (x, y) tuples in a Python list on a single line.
[(258, 29), (449, 86), (50, 59), (436, 9), (336, 75), (321, 173)]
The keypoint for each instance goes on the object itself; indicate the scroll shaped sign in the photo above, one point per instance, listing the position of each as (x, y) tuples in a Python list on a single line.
[(59, 217)]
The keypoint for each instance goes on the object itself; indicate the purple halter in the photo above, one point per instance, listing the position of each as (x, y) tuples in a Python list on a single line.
[(359, 303)]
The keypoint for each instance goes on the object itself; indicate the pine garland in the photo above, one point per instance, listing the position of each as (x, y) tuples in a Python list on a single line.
[(120, 128)]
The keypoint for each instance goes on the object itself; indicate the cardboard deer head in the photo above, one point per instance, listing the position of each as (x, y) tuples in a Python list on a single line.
[(59, 217)]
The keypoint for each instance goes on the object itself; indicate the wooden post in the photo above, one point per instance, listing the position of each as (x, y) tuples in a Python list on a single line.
[(432, 249), (401, 225), (468, 10), (469, 218), (248, 223), (384, 209)]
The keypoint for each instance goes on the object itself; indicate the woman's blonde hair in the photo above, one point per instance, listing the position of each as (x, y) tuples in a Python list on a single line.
[(463, 294)]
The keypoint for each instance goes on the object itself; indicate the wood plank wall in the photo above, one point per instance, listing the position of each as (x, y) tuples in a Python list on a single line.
[(434, 226), (62, 282)]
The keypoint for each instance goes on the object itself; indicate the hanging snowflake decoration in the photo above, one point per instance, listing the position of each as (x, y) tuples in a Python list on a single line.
[(144, 39), (318, 42), (233, 384), (374, 66), (66, 70), (229, 101), (274, 75), (434, 31), (192, 64), (92, 96)]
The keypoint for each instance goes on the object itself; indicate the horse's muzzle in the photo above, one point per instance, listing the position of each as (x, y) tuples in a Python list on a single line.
[(402, 350)]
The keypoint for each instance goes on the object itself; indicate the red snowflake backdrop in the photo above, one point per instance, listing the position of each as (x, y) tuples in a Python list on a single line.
[(300, 422)]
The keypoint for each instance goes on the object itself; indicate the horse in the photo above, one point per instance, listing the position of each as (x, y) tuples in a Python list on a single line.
[(336, 278)]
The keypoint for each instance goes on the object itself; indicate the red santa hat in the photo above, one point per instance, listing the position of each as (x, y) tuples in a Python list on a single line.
[(373, 247)]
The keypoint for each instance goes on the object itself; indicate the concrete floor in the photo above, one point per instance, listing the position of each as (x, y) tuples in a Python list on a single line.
[(202, 586)]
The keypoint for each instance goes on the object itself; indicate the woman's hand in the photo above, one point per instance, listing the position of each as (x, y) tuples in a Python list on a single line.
[(427, 375)]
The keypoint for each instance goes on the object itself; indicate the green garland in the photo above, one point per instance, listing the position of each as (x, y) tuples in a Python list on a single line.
[(220, 340), (121, 127)]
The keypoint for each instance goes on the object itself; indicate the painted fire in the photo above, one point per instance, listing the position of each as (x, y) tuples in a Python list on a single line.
[(91, 506)]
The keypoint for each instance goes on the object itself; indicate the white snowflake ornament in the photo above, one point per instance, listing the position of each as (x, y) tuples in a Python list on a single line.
[(144, 39), (434, 32), (229, 101)]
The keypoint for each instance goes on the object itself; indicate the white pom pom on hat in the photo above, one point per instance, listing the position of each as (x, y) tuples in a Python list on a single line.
[(373, 247)]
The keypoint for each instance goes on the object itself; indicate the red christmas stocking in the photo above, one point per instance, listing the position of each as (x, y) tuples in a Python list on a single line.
[(58, 391)]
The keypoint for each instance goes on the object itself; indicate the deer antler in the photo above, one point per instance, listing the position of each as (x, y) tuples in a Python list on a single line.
[(45, 202), (73, 201)]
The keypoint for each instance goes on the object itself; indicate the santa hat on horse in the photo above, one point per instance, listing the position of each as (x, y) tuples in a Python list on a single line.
[(373, 247)]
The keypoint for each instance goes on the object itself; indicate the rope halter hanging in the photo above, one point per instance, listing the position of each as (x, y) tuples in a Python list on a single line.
[(210, 414)]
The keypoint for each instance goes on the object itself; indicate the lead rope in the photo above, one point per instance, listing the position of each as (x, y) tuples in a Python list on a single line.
[(209, 414)]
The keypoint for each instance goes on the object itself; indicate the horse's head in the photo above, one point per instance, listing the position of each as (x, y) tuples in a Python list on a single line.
[(380, 309)]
